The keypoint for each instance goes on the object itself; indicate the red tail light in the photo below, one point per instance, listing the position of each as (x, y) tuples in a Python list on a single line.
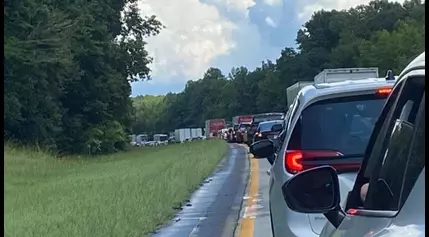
[(384, 91), (295, 160)]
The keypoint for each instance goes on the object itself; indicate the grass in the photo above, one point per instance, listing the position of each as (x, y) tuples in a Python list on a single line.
[(125, 194)]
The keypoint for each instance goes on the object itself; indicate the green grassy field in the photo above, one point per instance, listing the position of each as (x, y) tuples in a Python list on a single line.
[(125, 194)]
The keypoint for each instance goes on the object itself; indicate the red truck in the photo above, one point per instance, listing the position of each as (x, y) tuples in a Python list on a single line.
[(213, 126)]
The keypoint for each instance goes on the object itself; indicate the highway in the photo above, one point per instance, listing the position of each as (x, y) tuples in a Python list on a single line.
[(231, 202)]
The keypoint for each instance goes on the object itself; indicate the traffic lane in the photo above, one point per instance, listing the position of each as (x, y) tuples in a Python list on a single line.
[(255, 215), (214, 208)]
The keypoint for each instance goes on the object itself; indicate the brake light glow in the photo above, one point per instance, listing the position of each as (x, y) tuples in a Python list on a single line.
[(299, 160), (259, 134), (384, 91)]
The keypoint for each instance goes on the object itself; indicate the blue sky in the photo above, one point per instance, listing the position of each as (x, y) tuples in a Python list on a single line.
[(222, 34)]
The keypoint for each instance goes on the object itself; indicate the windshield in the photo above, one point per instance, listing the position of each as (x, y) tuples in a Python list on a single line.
[(341, 124), (264, 127), (244, 127)]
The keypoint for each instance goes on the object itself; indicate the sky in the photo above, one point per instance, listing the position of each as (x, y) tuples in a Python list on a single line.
[(221, 33)]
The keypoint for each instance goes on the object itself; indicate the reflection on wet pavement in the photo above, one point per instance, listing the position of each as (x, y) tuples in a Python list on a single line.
[(214, 208)]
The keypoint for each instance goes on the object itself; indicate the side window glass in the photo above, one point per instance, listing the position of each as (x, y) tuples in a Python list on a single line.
[(288, 119), (386, 178), (416, 159)]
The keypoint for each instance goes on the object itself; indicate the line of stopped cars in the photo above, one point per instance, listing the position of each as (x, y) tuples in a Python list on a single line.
[(349, 160)]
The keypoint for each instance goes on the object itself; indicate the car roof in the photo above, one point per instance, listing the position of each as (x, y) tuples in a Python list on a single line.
[(343, 88), (267, 114)]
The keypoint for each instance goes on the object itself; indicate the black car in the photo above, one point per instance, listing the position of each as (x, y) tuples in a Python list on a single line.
[(258, 118), (268, 130)]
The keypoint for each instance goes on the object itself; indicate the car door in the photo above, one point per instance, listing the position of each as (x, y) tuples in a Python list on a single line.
[(385, 164)]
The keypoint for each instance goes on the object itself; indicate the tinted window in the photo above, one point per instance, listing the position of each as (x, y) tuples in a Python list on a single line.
[(342, 124), (267, 126), (399, 151)]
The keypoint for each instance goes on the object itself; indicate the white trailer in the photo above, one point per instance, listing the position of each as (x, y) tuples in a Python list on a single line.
[(199, 132), (182, 134), (292, 91), (188, 136), (160, 139), (194, 133), (343, 74)]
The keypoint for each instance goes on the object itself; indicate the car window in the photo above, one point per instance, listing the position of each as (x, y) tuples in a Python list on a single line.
[(263, 127), (342, 124), (388, 172)]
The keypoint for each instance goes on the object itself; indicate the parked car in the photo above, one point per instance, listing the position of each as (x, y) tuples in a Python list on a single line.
[(268, 130), (388, 195), (326, 124)]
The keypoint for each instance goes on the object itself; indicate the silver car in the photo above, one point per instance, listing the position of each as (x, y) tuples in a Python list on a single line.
[(327, 124), (388, 196)]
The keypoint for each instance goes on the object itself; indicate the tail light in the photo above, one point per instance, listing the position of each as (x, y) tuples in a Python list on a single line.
[(299, 160), (384, 91), (259, 134)]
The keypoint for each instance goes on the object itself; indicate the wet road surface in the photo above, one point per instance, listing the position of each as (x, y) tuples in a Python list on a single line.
[(214, 209), (255, 215)]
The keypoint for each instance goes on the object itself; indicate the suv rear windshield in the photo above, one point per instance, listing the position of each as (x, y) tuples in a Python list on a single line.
[(342, 124), (266, 126)]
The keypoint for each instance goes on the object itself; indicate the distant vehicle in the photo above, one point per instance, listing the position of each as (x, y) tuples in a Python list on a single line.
[(171, 139), (388, 194), (214, 126), (196, 133), (292, 91), (160, 139), (268, 130), (327, 124), (236, 120), (241, 133), (257, 118), (141, 139), (182, 134)]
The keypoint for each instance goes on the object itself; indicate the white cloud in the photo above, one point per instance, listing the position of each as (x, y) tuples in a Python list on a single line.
[(307, 7), (196, 34), (270, 22), (273, 2), (239, 6)]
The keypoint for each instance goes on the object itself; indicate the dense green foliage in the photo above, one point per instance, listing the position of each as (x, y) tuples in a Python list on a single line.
[(67, 67), (381, 34)]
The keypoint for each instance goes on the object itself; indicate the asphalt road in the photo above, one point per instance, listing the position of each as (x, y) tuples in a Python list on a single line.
[(216, 207), (255, 215)]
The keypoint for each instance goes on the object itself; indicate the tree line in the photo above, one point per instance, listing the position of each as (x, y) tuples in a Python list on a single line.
[(380, 34), (68, 66)]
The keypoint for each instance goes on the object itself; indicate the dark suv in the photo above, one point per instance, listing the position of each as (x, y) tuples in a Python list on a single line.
[(268, 130), (258, 118)]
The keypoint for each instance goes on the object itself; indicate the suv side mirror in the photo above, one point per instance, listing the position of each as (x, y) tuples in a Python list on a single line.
[(315, 190), (263, 149), (277, 128)]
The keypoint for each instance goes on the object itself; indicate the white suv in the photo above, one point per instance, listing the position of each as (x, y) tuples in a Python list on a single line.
[(327, 124), (388, 196)]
